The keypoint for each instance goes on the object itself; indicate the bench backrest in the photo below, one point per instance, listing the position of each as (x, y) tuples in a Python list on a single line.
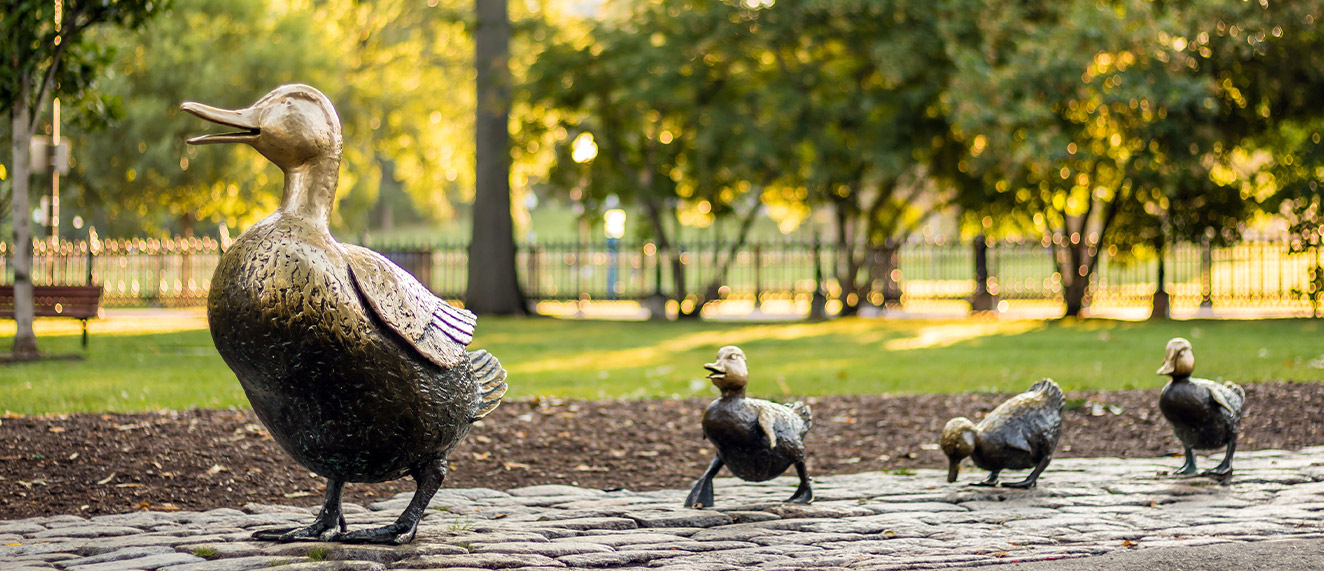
[(81, 302)]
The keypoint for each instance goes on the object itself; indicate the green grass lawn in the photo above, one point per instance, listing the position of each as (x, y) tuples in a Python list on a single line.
[(134, 365)]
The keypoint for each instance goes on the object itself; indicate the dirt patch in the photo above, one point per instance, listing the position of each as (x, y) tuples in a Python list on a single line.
[(202, 459)]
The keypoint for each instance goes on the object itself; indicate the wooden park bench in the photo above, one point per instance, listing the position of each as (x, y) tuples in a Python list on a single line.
[(77, 302)]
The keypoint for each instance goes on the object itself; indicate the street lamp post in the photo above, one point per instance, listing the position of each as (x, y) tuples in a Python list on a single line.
[(613, 226)]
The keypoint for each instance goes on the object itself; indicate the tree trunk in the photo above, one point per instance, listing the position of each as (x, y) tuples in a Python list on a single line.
[(1160, 306), (1075, 285), (848, 265), (493, 286), (25, 339), (983, 300)]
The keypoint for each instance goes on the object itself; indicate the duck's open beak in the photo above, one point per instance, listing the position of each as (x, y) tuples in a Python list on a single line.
[(953, 469), (246, 120), (715, 370)]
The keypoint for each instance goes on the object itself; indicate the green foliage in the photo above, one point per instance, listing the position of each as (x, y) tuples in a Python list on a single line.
[(595, 359), (44, 58), (207, 552), (140, 174), (1093, 124)]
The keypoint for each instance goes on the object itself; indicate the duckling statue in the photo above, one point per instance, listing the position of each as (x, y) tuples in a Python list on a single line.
[(757, 439), (357, 370), (1019, 434), (1204, 414)]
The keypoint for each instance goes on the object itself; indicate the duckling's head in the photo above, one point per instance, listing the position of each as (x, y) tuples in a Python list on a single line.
[(1179, 361), (291, 126), (958, 442), (729, 372)]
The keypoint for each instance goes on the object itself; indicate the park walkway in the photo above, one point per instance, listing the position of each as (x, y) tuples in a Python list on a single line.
[(1082, 508)]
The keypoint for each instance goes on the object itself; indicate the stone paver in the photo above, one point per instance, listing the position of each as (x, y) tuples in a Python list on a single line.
[(875, 521)]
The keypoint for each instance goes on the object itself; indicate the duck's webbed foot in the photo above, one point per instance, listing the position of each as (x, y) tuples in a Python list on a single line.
[(701, 496), (429, 477), (328, 526), (992, 480), (805, 493), (1224, 468), (1189, 467), (1033, 479), (395, 534)]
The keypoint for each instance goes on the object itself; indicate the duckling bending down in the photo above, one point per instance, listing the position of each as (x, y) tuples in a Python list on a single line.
[(755, 438), (358, 371), (1204, 414), (1019, 434)]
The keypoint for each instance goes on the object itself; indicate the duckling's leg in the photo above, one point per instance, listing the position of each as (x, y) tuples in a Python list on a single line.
[(330, 521), (805, 493), (1033, 478), (1224, 469), (702, 494), (991, 481), (429, 477), (1189, 466)]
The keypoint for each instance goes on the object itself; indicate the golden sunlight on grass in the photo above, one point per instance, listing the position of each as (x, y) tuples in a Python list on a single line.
[(945, 335), (665, 351), (117, 322)]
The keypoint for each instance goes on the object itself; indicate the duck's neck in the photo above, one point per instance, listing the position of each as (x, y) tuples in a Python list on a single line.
[(733, 393), (310, 190), (1181, 378)]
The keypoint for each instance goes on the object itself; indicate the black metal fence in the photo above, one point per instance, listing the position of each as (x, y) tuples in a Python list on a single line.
[(1252, 274)]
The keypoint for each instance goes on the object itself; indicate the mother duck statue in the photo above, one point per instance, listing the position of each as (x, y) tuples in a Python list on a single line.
[(357, 370)]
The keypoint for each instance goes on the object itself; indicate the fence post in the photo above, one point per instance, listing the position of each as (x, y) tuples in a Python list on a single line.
[(1206, 274), (818, 303), (532, 264), (758, 276)]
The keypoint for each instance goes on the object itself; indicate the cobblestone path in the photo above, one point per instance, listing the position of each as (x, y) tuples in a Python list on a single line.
[(1083, 507)]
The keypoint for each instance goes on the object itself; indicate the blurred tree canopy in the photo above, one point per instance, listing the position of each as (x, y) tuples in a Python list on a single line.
[(1096, 126)]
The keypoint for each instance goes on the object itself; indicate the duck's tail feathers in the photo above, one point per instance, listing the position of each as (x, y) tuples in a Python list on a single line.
[(491, 380), (1052, 393), (803, 411)]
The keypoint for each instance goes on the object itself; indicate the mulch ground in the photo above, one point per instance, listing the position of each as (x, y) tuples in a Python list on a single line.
[(202, 459)]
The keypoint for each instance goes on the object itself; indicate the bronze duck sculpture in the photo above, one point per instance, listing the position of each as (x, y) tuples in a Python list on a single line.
[(757, 439), (1204, 414), (357, 370), (1019, 434)]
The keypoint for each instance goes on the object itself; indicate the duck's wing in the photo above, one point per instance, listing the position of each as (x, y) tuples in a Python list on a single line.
[(771, 414), (1034, 415), (1228, 396), (431, 326)]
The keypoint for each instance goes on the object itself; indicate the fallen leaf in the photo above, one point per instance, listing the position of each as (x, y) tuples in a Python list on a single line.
[(514, 465), (106, 480), (55, 429), (298, 494)]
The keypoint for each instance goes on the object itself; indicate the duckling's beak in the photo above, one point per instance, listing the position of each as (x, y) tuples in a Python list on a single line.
[(953, 468), (715, 370), (1169, 363), (246, 120)]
